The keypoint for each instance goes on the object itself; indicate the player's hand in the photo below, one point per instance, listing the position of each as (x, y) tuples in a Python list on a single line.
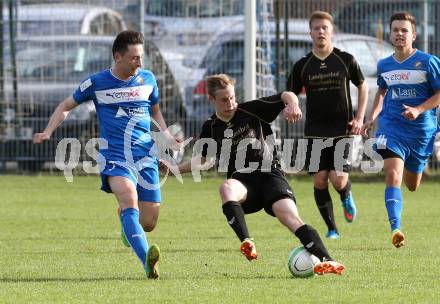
[(38, 138), (410, 113), (355, 126), (366, 127), (292, 112), (165, 165)]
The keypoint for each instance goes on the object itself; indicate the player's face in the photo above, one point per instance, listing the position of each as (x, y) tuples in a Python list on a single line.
[(132, 59), (321, 32), (224, 102), (402, 34)]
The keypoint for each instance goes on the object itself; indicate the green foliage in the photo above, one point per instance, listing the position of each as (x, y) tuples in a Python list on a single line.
[(60, 244)]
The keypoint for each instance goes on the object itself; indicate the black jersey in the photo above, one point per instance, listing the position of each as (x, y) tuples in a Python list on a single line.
[(327, 85), (250, 122)]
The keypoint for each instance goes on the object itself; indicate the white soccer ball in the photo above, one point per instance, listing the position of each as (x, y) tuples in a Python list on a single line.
[(301, 262)]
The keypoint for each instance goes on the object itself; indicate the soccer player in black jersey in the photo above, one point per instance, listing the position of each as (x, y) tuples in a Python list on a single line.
[(325, 73), (238, 137)]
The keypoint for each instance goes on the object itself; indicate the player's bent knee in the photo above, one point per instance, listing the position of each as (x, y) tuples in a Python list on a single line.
[(148, 227), (412, 188)]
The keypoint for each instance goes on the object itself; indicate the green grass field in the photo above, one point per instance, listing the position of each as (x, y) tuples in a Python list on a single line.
[(59, 243)]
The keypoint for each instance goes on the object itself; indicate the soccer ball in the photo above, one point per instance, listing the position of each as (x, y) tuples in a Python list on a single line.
[(301, 262)]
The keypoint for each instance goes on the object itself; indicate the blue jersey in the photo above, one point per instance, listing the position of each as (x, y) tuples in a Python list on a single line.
[(124, 111), (410, 82)]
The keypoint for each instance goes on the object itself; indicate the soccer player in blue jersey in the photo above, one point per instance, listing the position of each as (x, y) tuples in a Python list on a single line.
[(126, 99), (406, 102)]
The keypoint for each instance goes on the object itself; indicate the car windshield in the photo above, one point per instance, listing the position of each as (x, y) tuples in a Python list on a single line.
[(61, 61), (191, 8)]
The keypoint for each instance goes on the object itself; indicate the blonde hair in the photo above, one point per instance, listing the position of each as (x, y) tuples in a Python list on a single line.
[(218, 82), (404, 16), (320, 15)]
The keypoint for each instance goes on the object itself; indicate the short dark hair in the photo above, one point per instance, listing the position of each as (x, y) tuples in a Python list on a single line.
[(218, 82), (404, 16), (124, 39), (320, 15)]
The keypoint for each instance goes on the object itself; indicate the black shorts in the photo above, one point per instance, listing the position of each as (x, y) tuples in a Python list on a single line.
[(263, 189), (328, 158), (387, 153)]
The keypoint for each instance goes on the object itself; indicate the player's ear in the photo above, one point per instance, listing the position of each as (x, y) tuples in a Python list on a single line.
[(117, 56), (211, 98)]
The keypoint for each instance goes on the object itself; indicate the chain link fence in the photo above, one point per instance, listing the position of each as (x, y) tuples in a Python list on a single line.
[(48, 47)]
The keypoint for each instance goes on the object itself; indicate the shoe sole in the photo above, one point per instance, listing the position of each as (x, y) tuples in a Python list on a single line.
[(153, 258), (325, 268), (398, 239)]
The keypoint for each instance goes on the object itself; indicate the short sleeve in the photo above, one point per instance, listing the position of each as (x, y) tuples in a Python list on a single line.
[(356, 76), (154, 96), (380, 81), (434, 72), (294, 82), (85, 91)]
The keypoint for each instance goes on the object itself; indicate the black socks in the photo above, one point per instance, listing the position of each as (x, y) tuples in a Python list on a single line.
[(235, 216), (345, 192), (310, 239), (325, 206)]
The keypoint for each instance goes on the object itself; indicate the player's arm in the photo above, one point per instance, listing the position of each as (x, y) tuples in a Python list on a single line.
[(357, 122), (158, 118), (268, 108), (197, 163), (411, 113), (377, 108), (58, 116), (292, 111)]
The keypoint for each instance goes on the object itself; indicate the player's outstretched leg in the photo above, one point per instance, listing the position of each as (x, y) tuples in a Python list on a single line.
[(310, 239), (248, 249), (123, 238), (152, 263), (138, 241)]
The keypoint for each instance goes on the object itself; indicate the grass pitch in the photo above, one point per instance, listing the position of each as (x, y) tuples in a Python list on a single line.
[(59, 243)]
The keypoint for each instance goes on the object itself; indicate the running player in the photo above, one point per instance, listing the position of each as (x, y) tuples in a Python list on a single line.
[(325, 73), (406, 102), (126, 100)]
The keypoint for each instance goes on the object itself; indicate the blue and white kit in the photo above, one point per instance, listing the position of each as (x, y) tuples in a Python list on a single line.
[(124, 110), (410, 82)]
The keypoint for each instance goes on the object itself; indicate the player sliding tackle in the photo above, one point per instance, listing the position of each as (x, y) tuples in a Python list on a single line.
[(254, 179)]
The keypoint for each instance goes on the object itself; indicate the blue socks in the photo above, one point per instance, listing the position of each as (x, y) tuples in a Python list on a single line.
[(393, 203), (134, 233)]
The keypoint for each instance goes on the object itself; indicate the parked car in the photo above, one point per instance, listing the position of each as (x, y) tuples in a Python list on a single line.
[(372, 18), (183, 30), (65, 19), (226, 55), (49, 68)]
